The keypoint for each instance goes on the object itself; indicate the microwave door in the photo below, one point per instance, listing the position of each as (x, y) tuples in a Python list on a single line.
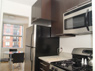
[(75, 24), (83, 21), (79, 21)]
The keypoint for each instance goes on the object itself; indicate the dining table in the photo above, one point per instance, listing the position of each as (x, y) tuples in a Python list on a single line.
[(12, 52)]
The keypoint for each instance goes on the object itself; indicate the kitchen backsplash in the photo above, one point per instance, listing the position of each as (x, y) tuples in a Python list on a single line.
[(79, 41)]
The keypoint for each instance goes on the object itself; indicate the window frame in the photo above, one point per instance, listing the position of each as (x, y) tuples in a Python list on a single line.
[(13, 35)]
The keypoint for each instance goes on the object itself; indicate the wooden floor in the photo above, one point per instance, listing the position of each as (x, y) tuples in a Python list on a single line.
[(5, 66)]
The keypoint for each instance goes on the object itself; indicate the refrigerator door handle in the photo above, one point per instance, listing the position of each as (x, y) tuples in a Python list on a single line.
[(31, 60), (34, 35), (29, 46), (33, 31), (30, 54)]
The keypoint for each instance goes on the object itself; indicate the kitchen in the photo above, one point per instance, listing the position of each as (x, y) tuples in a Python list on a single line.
[(65, 40)]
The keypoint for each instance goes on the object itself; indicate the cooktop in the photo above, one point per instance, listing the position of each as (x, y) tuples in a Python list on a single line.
[(70, 65)]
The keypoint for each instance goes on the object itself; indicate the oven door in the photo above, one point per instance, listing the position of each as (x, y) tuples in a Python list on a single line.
[(54, 68), (78, 23)]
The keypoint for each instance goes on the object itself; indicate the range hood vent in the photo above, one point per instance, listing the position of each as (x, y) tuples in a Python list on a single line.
[(41, 12)]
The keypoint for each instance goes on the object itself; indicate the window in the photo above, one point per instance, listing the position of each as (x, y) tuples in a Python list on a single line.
[(7, 43), (12, 36), (16, 32), (7, 37), (8, 30), (15, 41), (16, 26)]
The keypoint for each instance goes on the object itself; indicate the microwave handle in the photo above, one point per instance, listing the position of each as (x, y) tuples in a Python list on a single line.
[(87, 19)]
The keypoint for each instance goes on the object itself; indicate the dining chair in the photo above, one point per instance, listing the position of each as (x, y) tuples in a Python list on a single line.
[(17, 58), (10, 56), (11, 50)]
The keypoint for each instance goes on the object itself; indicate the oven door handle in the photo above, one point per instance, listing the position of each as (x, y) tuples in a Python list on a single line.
[(87, 19)]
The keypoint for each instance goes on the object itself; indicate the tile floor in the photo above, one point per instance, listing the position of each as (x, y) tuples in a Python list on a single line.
[(4, 66)]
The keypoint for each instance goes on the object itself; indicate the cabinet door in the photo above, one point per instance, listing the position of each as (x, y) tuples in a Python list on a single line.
[(43, 66), (41, 10), (58, 8), (46, 9)]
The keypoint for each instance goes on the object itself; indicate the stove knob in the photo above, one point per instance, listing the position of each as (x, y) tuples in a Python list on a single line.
[(56, 70), (63, 64), (52, 69)]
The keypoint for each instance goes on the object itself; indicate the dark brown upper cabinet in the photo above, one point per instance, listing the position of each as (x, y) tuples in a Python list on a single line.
[(41, 12), (58, 7)]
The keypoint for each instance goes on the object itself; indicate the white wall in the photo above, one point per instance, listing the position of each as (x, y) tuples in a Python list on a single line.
[(79, 41), (16, 9)]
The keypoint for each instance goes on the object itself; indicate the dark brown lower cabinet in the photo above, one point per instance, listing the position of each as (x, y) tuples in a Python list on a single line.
[(43, 66)]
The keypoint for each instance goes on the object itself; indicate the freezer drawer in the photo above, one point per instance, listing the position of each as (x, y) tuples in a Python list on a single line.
[(29, 59)]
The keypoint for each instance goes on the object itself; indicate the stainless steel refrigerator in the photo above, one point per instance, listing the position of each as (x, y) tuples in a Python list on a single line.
[(39, 43)]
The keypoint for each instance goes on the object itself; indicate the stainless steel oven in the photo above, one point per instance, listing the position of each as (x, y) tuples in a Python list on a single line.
[(78, 20)]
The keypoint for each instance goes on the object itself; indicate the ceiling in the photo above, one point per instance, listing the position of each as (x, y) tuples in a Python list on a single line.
[(26, 2)]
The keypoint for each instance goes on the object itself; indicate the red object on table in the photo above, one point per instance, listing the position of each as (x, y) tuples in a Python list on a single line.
[(19, 51), (10, 52)]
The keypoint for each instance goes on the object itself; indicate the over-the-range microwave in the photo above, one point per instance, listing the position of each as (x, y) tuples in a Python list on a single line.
[(78, 20)]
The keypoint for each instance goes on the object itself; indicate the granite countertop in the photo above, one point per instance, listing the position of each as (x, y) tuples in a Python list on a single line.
[(62, 56)]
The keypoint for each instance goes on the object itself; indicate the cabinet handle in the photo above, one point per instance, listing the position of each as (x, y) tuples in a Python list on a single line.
[(42, 69), (43, 64), (87, 20)]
